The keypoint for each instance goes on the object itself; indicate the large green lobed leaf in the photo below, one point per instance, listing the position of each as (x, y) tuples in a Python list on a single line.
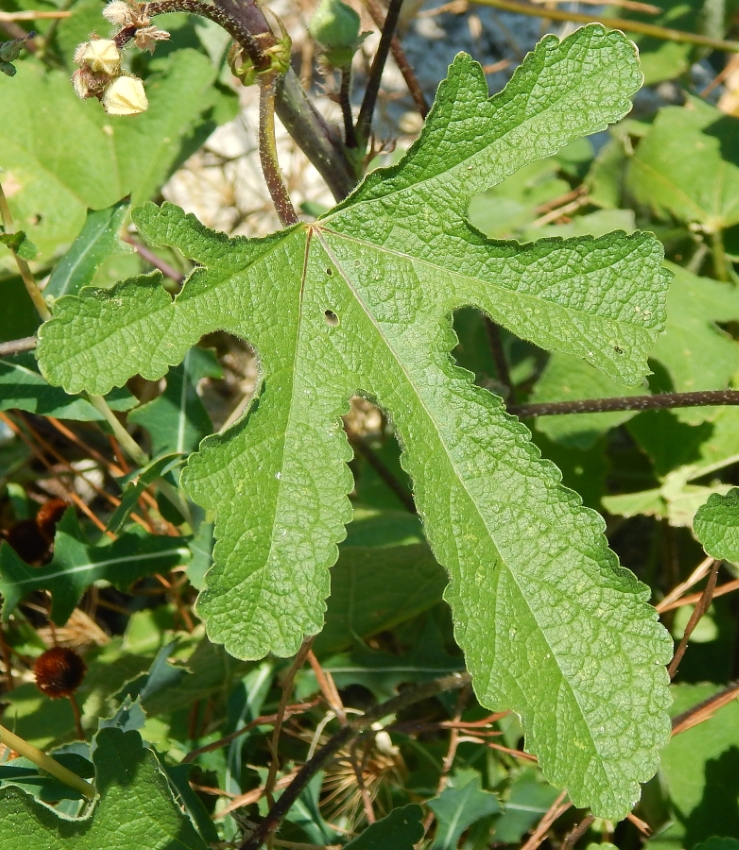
[(136, 808), (360, 301)]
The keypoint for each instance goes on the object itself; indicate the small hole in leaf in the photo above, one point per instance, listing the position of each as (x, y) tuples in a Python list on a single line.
[(329, 272), (331, 318)]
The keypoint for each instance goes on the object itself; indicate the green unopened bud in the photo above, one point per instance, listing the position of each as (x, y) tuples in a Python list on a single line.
[(335, 26)]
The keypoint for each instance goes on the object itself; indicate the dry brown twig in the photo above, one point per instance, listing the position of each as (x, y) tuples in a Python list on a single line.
[(700, 609), (558, 808)]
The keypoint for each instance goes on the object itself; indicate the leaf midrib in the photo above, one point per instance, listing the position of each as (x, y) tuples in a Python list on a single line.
[(459, 478)]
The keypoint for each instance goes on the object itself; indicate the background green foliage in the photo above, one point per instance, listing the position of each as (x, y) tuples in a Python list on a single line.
[(121, 577)]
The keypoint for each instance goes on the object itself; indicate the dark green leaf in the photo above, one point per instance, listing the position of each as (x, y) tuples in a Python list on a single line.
[(77, 564), (458, 808), (99, 240), (400, 830)]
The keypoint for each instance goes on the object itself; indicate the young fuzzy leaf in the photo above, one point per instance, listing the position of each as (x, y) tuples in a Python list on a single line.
[(136, 807), (360, 301), (716, 525), (77, 564)]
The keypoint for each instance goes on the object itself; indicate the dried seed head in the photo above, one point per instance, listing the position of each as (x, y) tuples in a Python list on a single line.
[(146, 38), (59, 672), (100, 55), (125, 96), (87, 83)]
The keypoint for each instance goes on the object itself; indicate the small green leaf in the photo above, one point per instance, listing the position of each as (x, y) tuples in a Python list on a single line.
[(400, 830), (99, 240), (136, 808), (458, 808), (700, 768), (177, 419), (695, 352), (716, 525), (19, 244), (23, 388), (528, 801), (686, 167), (135, 485), (77, 564)]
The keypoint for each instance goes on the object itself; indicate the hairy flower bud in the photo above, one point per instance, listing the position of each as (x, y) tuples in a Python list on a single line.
[(125, 96), (100, 55), (119, 13)]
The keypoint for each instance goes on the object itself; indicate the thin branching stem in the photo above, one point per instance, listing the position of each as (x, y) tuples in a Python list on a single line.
[(246, 24), (399, 491), (287, 688), (377, 14), (345, 101), (154, 260), (627, 25), (17, 346), (501, 363), (698, 612), (364, 122), (704, 710), (343, 737), (577, 833), (659, 401)]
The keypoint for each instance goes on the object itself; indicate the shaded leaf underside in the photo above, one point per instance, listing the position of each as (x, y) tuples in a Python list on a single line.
[(360, 302)]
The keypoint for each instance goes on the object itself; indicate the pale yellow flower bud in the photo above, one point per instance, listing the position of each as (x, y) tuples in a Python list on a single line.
[(119, 13), (125, 96), (100, 55)]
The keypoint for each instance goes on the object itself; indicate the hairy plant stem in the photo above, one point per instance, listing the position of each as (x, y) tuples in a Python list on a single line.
[(345, 94), (364, 122), (501, 364), (268, 150), (612, 23), (244, 21), (16, 346), (299, 117), (659, 401), (343, 737), (47, 763)]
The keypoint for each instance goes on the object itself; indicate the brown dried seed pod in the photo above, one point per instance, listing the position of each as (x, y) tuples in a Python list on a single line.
[(48, 516), (59, 672)]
